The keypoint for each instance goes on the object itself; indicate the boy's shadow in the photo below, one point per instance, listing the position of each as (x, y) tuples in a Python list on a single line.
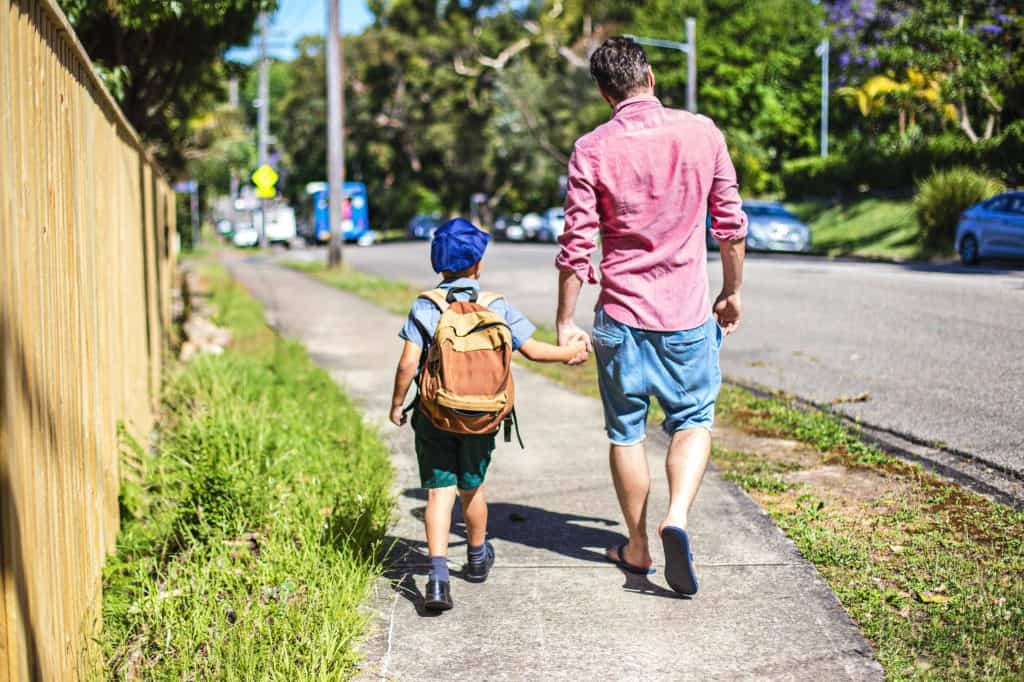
[(564, 534)]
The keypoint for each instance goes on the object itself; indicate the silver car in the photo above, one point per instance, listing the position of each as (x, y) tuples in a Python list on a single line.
[(992, 229), (770, 227)]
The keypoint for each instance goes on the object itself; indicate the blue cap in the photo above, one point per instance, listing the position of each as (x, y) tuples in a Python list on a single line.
[(457, 245)]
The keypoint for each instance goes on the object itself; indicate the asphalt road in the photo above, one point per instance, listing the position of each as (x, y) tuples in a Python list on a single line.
[(938, 351)]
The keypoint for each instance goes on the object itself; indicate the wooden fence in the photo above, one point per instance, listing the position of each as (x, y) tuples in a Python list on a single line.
[(85, 270)]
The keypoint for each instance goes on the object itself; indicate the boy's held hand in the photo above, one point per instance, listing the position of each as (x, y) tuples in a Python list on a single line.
[(579, 352), (398, 416)]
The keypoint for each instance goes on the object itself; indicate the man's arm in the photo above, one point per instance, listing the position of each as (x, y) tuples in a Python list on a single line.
[(569, 286), (579, 241), (729, 228), (728, 308), (404, 374)]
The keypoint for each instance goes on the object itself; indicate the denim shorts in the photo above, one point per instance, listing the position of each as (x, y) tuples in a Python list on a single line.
[(679, 368)]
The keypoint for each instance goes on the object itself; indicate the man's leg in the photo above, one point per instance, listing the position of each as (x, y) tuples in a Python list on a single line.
[(438, 519), (632, 481), (684, 466)]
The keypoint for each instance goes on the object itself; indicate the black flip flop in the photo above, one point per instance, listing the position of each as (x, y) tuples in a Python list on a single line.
[(679, 572), (625, 565)]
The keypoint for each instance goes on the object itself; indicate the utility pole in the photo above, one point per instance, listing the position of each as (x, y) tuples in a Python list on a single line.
[(689, 48), (691, 65), (822, 51), (263, 115), (335, 132), (263, 119)]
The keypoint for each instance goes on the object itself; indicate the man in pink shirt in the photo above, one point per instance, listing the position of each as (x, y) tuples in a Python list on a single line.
[(644, 182)]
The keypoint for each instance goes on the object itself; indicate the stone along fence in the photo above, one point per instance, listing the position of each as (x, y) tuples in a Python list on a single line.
[(85, 265)]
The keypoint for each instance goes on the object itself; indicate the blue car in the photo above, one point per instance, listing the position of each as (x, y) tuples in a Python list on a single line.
[(992, 229), (770, 227)]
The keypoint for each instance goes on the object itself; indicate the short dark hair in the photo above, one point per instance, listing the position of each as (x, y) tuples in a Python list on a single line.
[(620, 67)]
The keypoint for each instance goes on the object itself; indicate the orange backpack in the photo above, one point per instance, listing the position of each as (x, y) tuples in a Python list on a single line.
[(465, 383)]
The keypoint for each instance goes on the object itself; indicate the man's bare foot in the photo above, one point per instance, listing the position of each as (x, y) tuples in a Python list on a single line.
[(639, 558), (676, 521)]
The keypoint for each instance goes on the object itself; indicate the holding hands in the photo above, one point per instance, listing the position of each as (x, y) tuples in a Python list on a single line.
[(571, 336)]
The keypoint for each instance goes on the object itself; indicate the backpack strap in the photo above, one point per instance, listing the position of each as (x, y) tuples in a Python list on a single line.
[(486, 298), (437, 297)]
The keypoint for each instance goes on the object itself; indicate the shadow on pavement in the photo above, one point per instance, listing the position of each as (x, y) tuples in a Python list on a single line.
[(564, 534)]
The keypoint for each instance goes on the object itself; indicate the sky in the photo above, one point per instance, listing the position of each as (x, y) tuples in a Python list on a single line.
[(297, 18)]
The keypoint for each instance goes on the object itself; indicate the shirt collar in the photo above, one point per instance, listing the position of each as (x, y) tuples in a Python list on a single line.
[(461, 283), (642, 99)]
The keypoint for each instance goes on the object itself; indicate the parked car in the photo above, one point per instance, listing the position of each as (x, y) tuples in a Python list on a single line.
[(423, 226), (245, 236), (554, 225), (992, 229), (532, 224), (770, 227), (509, 228)]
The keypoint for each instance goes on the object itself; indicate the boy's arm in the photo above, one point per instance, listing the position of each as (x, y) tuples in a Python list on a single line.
[(538, 351), (404, 374)]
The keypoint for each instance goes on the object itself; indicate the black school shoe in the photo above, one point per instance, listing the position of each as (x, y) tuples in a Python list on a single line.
[(438, 595), (477, 571)]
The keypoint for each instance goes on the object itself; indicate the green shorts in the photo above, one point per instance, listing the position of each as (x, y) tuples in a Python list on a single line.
[(448, 459)]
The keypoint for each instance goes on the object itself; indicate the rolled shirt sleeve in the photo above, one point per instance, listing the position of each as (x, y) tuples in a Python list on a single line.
[(582, 220), (728, 221)]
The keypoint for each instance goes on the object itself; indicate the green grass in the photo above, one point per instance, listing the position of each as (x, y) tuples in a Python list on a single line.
[(930, 572), (872, 227), (250, 538), (395, 296)]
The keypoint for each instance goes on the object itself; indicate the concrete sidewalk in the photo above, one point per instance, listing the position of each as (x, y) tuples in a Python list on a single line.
[(553, 607)]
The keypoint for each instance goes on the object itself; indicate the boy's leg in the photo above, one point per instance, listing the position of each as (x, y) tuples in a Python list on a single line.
[(438, 519), (632, 484), (684, 466), (474, 511)]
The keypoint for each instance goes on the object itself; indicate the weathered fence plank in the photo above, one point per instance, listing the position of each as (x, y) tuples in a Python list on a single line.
[(86, 220)]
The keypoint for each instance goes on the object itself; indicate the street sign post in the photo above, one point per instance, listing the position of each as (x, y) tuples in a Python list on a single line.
[(689, 48), (822, 51), (265, 178)]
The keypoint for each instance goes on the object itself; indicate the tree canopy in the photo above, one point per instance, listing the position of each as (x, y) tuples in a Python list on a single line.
[(164, 61)]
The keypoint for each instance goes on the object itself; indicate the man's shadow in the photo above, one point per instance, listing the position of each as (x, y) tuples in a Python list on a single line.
[(564, 534)]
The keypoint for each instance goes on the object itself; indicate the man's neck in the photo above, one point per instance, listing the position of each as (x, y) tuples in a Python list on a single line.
[(635, 95)]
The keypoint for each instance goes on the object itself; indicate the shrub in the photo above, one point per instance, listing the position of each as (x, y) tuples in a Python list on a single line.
[(886, 165), (754, 165), (943, 197)]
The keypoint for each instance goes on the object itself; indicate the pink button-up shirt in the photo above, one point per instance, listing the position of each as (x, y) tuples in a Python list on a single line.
[(645, 181)]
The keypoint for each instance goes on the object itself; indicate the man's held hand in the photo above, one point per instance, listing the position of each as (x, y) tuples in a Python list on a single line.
[(569, 334)]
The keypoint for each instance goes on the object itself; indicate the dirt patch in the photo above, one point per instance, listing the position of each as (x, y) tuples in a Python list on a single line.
[(769, 448), (850, 485)]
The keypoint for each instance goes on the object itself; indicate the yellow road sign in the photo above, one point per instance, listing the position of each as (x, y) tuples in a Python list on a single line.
[(264, 192), (265, 178)]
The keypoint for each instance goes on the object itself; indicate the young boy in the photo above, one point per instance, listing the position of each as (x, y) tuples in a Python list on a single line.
[(451, 463)]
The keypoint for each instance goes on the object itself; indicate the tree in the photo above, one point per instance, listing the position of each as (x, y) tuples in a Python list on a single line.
[(757, 74), (165, 59)]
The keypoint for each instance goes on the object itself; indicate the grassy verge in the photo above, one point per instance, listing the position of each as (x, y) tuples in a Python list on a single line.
[(880, 228), (930, 572), (248, 539)]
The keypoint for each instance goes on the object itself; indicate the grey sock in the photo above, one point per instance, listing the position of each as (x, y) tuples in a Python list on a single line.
[(439, 568), (477, 554)]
